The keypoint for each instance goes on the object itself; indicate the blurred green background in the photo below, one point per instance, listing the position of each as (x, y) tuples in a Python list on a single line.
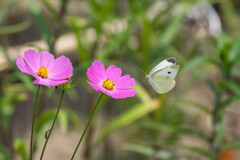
[(197, 120)]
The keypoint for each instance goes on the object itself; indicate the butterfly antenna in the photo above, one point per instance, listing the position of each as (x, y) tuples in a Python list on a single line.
[(141, 71)]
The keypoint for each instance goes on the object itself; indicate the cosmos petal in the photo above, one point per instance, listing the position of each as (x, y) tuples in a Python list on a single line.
[(93, 75), (123, 93), (97, 75), (58, 70), (32, 58), (61, 69), (125, 82), (96, 72), (46, 59), (48, 83), (21, 64), (95, 86), (113, 73)]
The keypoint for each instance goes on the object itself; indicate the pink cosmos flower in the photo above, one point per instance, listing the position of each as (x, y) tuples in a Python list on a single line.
[(110, 81), (47, 70)]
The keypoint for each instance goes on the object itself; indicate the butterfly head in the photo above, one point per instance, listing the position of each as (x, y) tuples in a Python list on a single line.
[(172, 60)]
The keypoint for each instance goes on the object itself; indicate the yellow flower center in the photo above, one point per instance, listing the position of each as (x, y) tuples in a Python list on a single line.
[(108, 85), (43, 72)]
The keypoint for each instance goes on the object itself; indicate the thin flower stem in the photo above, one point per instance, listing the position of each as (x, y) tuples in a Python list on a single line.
[(88, 124), (33, 122), (54, 121)]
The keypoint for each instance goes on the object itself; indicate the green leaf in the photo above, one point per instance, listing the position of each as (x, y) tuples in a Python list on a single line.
[(195, 149), (145, 41), (195, 62), (220, 135), (172, 128), (233, 145), (63, 120), (234, 87), (26, 80), (77, 24), (229, 100), (235, 50), (101, 11), (20, 148), (5, 8), (196, 104), (229, 15), (15, 28), (142, 93), (149, 151), (115, 42), (73, 117), (213, 86), (131, 115), (44, 124), (41, 22), (6, 55), (45, 119), (51, 9), (4, 155), (173, 28)]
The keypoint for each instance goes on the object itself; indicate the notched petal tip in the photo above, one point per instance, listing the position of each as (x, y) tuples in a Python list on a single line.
[(98, 64), (97, 69), (30, 51)]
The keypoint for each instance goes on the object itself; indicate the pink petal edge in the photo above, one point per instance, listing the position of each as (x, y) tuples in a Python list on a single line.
[(48, 83), (119, 94), (23, 67), (96, 87), (99, 69), (93, 75), (32, 59)]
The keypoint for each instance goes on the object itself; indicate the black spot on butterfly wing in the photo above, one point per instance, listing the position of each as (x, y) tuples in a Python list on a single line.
[(172, 60), (169, 72)]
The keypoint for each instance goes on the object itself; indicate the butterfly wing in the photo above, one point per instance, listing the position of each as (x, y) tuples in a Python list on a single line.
[(165, 63), (170, 71), (161, 84), (161, 78)]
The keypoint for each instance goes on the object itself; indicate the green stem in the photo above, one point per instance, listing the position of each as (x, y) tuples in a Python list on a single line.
[(54, 121), (33, 122), (88, 124)]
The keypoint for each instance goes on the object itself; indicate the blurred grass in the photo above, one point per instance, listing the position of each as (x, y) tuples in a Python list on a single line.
[(134, 34)]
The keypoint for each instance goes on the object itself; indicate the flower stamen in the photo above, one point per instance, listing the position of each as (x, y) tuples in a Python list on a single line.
[(108, 84), (43, 72)]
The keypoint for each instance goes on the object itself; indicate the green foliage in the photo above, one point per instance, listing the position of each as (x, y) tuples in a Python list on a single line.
[(149, 151), (45, 120), (5, 9), (132, 34), (3, 153), (14, 28), (20, 148), (41, 23)]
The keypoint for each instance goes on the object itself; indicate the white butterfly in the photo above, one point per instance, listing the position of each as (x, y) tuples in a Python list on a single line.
[(161, 77)]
